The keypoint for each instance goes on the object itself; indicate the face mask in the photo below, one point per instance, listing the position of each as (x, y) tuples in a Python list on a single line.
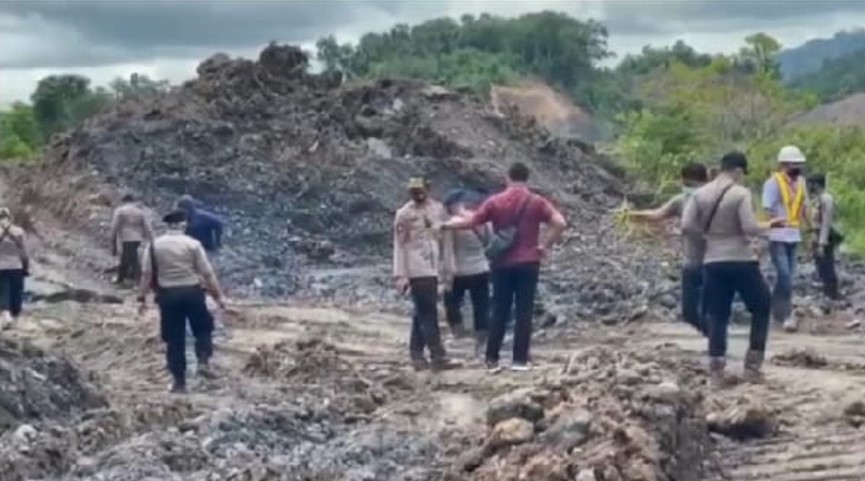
[(418, 197), (688, 190), (794, 172)]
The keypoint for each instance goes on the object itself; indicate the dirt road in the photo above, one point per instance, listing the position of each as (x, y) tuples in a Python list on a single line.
[(354, 363)]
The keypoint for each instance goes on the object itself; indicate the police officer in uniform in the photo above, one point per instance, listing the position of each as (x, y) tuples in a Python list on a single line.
[(174, 266)]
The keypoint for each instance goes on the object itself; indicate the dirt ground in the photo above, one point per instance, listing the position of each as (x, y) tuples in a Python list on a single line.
[(325, 393)]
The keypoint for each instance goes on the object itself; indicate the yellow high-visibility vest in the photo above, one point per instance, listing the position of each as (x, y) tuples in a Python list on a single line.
[(793, 202)]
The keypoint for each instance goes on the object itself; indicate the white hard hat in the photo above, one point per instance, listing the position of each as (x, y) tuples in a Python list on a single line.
[(790, 154)]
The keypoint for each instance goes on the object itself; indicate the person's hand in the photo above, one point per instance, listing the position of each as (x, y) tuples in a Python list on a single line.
[(777, 222), (401, 284), (543, 251)]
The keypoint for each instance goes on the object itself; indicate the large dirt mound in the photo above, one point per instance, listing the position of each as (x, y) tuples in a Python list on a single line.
[(307, 170), (847, 111)]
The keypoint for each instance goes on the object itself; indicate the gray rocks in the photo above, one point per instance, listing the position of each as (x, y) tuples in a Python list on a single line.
[(514, 405)]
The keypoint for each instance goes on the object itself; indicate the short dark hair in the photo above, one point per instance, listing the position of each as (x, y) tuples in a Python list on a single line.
[(128, 198), (817, 180), (518, 172), (734, 160), (695, 171)]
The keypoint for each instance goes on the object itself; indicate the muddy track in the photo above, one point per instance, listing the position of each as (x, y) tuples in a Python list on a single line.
[(825, 454), (816, 441)]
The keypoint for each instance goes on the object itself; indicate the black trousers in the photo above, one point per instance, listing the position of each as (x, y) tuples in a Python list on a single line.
[(693, 298), (513, 287), (825, 262), (177, 305), (478, 287), (723, 281), (425, 324), (130, 263), (12, 291)]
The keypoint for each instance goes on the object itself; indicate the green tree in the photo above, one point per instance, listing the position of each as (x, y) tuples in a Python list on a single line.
[(61, 102), (137, 86)]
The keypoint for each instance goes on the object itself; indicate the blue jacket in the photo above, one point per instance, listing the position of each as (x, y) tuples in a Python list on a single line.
[(205, 227)]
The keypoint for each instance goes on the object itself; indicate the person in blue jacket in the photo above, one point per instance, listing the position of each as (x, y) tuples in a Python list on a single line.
[(203, 226)]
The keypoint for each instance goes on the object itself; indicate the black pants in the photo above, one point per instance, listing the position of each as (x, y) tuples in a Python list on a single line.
[(723, 281), (513, 286), (425, 324), (478, 287), (177, 305), (130, 263), (693, 298), (825, 261), (12, 291)]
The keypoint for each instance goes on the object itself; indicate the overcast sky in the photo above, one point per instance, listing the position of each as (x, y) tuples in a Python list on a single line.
[(103, 39)]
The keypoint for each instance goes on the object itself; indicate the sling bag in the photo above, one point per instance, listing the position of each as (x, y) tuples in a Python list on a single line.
[(714, 210), (502, 240)]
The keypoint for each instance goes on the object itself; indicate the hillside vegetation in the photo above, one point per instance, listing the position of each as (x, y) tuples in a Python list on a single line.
[(666, 106)]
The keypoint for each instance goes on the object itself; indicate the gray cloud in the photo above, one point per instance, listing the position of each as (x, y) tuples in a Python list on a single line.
[(89, 33), (709, 16)]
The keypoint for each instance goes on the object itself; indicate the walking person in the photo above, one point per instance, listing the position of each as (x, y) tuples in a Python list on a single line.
[(826, 237), (516, 252), (722, 211), (785, 197), (130, 226), (422, 263), (174, 266), (472, 270), (694, 176), (14, 268)]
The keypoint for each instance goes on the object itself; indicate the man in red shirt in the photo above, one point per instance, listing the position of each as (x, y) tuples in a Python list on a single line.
[(515, 269)]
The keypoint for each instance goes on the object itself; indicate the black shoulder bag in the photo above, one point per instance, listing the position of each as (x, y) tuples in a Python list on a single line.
[(501, 241)]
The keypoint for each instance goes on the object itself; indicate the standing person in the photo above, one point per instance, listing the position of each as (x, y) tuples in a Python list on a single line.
[(129, 228), (14, 267), (722, 211), (694, 176), (422, 259), (205, 227), (785, 197), (516, 253), (826, 237), (472, 272), (174, 266), (202, 225)]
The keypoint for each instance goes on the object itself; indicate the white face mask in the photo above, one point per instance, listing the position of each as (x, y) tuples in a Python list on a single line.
[(688, 190)]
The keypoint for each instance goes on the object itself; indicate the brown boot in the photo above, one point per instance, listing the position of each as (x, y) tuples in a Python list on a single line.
[(716, 372), (753, 366)]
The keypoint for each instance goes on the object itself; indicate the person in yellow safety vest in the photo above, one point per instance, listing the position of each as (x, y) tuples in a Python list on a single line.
[(785, 196)]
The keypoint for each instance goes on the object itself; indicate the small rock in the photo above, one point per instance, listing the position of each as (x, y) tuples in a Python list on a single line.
[(743, 421), (517, 404), (569, 428), (856, 408), (586, 475), (666, 392), (25, 433), (510, 432)]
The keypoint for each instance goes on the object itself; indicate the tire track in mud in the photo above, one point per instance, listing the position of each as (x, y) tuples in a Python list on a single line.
[(819, 454)]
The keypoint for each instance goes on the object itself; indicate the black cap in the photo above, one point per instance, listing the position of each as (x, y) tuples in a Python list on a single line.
[(174, 217), (734, 160), (817, 179)]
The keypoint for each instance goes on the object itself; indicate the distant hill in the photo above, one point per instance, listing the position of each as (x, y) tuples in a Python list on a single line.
[(809, 57), (836, 78)]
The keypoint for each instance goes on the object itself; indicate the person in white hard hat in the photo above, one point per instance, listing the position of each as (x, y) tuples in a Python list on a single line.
[(785, 196)]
